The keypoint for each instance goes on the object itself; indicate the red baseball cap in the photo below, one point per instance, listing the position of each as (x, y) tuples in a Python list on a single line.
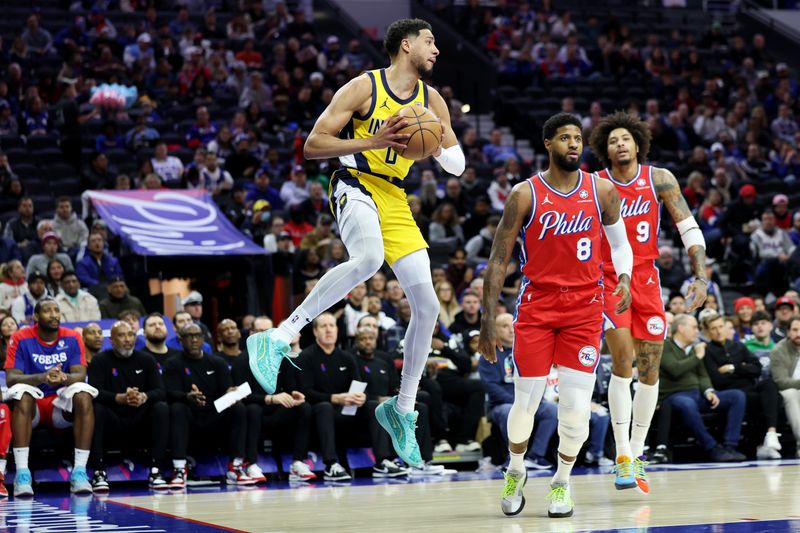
[(784, 300), (748, 191)]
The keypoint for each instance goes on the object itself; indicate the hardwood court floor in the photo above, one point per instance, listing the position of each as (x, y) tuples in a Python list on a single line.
[(733, 496)]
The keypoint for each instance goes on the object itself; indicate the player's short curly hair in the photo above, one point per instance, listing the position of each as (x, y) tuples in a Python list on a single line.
[(402, 29), (559, 120), (638, 129)]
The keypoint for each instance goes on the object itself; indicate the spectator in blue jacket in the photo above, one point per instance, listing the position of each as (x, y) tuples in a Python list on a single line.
[(97, 266), (498, 379)]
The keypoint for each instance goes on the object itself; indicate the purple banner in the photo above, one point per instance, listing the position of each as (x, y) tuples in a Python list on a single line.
[(171, 222)]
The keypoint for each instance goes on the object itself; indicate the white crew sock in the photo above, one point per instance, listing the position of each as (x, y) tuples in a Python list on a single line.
[(620, 404), (21, 458), (81, 458), (179, 463), (517, 461), (644, 405), (237, 461), (3, 466), (563, 470), (290, 328)]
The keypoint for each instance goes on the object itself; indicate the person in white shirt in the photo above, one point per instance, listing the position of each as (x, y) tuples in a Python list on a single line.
[(12, 283), (773, 247), (168, 167), (296, 190), (75, 304), (213, 177)]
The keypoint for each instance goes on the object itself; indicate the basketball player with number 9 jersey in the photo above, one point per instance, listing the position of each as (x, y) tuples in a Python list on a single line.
[(621, 141)]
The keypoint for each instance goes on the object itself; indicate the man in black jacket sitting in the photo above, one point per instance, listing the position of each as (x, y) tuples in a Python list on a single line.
[(327, 372), (131, 402), (194, 381), (285, 412)]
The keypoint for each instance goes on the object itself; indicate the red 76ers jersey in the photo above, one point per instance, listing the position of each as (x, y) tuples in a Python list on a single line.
[(562, 236), (641, 212)]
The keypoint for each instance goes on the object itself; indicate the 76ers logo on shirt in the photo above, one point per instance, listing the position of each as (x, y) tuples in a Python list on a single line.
[(655, 325), (587, 356)]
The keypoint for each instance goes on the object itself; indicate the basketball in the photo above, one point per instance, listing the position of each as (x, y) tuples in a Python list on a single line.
[(424, 129)]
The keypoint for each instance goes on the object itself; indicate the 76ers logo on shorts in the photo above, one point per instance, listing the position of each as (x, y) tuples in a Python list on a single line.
[(587, 355), (655, 325)]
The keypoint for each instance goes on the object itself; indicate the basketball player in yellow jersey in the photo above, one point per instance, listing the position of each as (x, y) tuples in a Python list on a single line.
[(370, 206)]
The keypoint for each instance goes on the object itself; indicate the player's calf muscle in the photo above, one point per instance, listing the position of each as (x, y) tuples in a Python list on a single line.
[(648, 359)]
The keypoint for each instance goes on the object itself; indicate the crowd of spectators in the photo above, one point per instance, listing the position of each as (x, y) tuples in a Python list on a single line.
[(224, 106)]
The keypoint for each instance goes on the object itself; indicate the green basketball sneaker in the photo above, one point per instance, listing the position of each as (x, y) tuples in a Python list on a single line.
[(266, 354), (513, 501), (402, 429)]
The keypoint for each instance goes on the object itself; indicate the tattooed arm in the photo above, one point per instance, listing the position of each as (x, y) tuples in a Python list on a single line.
[(517, 210), (615, 234), (669, 192)]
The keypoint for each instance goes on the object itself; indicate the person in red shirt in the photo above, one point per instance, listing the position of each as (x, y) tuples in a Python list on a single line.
[(561, 215), (250, 56), (297, 227)]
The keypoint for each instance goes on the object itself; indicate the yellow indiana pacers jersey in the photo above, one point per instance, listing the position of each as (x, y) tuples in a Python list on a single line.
[(384, 162)]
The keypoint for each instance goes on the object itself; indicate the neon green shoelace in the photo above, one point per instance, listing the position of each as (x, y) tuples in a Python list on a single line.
[(638, 470), (623, 469), (511, 485), (558, 495)]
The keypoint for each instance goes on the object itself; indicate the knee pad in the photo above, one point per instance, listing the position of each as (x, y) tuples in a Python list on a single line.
[(528, 393), (574, 409)]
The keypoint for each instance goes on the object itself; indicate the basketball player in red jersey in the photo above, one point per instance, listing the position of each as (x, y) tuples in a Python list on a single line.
[(622, 141), (558, 214)]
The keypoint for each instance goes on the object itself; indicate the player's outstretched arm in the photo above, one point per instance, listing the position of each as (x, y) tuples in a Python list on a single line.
[(449, 153), (614, 230), (669, 192), (517, 209), (323, 142)]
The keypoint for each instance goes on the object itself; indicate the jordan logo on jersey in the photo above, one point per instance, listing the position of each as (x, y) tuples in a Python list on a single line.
[(553, 220), (384, 104), (547, 199), (638, 207)]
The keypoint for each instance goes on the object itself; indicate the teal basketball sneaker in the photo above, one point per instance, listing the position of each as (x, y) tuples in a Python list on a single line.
[(402, 429), (266, 354)]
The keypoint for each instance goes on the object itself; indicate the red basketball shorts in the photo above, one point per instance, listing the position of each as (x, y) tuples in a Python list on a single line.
[(645, 317), (558, 327)]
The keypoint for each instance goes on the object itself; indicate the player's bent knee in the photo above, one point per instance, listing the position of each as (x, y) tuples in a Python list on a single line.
[(528, 393), (82, 404), (25, 406), (574, 409)]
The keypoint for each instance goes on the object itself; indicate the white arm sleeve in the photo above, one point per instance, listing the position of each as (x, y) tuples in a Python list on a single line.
[(452, 160), (691, 234), (621, 253)]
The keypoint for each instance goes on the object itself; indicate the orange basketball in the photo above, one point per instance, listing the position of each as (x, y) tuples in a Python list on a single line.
[(424, 129)]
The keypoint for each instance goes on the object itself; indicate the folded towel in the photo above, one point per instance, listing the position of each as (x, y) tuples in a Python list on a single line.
[(17, 391), (65, 394)]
